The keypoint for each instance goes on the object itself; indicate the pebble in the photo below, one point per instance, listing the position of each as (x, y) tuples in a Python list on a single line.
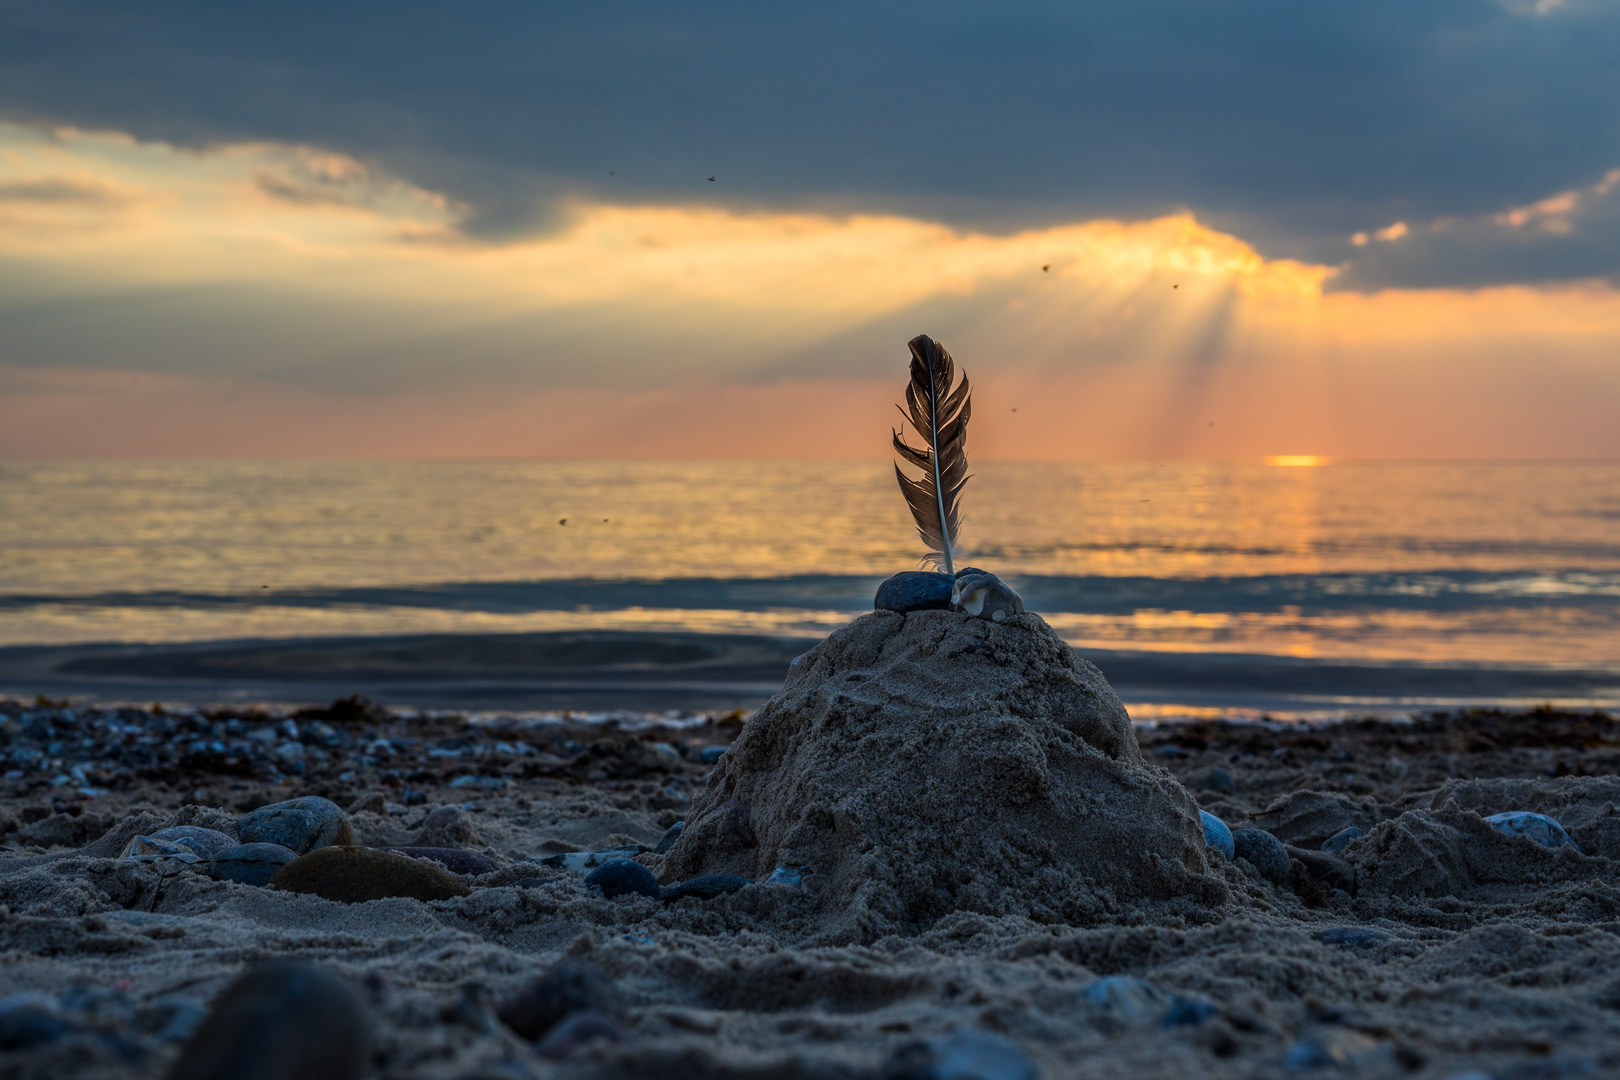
[(1188, 1012), (26, 1025), (1218, 780), (455, 860), (1127, 998), (1538, 827), (962, 1055), (1329, 871), (354, 875), (447, 826), (204, 842), (250, 864), (710, 755), (1265, 853), (1351, 937), (782, 875), (281, 1021), (579, 1028), (1337, 1048), (623, 878), (667, 841), (1216, 834), (707, 887), (985, 596), (915, 590), (543, 1002), (302, 824), (1335, 844), (581, 861)]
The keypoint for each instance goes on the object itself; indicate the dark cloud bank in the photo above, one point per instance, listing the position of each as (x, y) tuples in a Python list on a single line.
[(1294, 124)]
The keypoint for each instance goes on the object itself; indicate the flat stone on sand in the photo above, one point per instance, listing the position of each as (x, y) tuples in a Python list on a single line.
[(353, 875), (283, 1021), (302, 824)]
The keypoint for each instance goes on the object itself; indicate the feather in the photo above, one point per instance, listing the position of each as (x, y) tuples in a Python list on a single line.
[(940, 416)]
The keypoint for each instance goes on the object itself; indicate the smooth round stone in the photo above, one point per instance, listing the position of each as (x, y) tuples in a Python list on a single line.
[(711, 755), (961, 1055), (148, 848), (250, 864), (282, 1021), (455, 860), (25, 1026), (707, 887), (353, 875), (585, 1026), (1216, 834), (783, 875), (1265, 853), (1218, 779), (1538, 827), (1127, 998), (667, 841), (302, 824), (545, 1001), (1329, 871), (915, 590), (623, 878), (205, 843), (1335, 844)]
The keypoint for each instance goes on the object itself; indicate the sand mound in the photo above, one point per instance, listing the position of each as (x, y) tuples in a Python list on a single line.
[(929, 763)]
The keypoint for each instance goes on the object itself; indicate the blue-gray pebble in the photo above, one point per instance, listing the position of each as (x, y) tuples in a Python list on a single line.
[(709, 755), (623, 878), (915, 590), (1538, 827), (1264, 852), (281, 1021), (961, 1055), (302, 824), (1216, 834), (707, 887), (250, 864), (1335, 844), (667, 841), (1188, 1012)]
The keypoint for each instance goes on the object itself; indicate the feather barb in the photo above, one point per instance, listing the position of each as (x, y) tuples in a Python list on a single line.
[(940, 416)]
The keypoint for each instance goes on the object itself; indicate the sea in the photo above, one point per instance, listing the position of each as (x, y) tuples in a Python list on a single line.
[(1293, 589)]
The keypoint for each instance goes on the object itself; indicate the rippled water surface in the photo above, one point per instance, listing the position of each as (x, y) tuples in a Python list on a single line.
[(1480, 564)]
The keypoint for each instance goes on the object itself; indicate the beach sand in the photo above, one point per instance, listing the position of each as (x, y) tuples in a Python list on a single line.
[(1460, 950)]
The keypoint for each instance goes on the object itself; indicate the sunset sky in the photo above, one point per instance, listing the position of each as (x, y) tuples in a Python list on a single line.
[(1155, 229)]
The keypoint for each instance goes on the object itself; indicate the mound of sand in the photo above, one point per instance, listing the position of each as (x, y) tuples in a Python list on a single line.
[(922, 764)]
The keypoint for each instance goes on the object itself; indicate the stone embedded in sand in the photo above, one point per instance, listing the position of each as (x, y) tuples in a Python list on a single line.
[(1216, 833), (203, 842), (667, 841), (352, 875), (1335, 844), (623, 878), (585, 1026), (1125, 999), (250, 864), (932, 762), (447, 826), (914, 590), (455, 860), (1538, 827), (282, 1021), (302, 824), (1325, 870), (1264, 852), (543, 1002), (709, 886), (961, 1055)]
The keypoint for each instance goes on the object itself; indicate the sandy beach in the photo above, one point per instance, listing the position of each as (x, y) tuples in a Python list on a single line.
[(1451, 949)]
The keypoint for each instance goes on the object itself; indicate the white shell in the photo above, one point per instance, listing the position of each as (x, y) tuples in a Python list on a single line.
[(985, 596)]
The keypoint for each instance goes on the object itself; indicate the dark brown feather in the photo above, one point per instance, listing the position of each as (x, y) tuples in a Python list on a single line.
[(940, 415)]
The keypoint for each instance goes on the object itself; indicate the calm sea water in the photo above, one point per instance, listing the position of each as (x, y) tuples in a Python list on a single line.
[(1458, 566)]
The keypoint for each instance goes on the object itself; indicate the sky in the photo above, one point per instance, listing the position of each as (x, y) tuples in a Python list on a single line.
[(1151, 229)]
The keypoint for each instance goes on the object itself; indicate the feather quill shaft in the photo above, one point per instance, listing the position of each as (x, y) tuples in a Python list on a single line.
[(940, 415)]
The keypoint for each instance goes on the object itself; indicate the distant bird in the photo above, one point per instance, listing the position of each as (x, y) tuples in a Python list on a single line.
[(711, 179), (562, 521), (1045, 268), (1015, 408), (1177, 286)]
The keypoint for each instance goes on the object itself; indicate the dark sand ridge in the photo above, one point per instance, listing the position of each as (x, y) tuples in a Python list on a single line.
[(1471, 950)]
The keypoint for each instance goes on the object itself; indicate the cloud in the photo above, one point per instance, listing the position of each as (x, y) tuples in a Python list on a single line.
[(1565, 236), (1293, 125)]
